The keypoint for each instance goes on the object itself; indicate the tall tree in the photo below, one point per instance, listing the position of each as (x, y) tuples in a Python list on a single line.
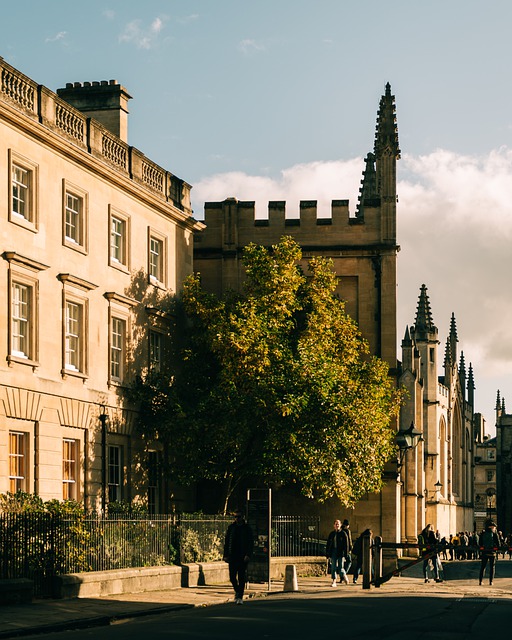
[(275, 383)]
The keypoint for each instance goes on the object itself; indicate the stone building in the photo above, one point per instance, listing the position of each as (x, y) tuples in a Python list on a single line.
[(503, 466), (485, 478), (435, 481), (437, 475), (363, 247), (94, 237)]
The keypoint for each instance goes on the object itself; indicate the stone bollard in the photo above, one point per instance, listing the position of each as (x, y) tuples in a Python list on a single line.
[(290, 578)]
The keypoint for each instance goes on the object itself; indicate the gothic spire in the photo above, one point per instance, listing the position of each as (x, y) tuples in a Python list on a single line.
[(447, 354), (386, 135), (471, 379), (462, 366), (407, 337), (498, 400), (423, 324), (453, 338), (368, 189)]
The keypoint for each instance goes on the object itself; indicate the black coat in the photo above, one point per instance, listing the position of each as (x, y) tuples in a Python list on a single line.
[(239, 542), (339, 542)]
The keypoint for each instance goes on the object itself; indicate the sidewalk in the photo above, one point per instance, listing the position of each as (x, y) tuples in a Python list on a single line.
[(46, 616)]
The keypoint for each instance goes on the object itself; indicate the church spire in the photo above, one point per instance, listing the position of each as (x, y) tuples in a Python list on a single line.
[(386, 134), (453, 339), (471, 386), (368, 190), (447, 354), (387, 152), (424, 323)]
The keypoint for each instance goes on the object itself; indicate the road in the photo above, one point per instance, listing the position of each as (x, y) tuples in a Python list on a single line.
[(282, 617)]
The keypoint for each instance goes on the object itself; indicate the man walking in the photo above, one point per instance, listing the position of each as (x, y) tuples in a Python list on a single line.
[(489, 544), (238, 548)]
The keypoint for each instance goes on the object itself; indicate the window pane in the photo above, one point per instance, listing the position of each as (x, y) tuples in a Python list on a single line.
[(73, 327), (117, 240), (73, 218), (20, 327), (114, 474), (21, 191), (117, 348), (155, 259), (69, 470), (155, 351), (17, 463)]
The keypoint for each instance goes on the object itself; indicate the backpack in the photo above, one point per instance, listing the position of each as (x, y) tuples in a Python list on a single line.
[(488, 541)]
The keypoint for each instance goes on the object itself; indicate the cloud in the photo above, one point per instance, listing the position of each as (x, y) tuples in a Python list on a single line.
[(454, 228), (250, 46), (142, 36), (59, 36)]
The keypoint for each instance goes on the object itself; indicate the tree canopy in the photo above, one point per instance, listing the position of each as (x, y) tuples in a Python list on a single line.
[(274, 383)]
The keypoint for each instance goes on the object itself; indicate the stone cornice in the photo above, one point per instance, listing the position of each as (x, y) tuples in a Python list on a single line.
[(22, 261), (67, 278), (117, 297)]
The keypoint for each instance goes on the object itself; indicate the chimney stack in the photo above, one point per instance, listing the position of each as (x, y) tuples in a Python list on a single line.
[(104, 101)]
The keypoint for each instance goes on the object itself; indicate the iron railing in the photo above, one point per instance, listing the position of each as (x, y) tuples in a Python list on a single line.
[(41, 546)]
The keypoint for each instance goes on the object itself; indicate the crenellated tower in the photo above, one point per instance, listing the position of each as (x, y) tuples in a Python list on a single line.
[(362, 245)]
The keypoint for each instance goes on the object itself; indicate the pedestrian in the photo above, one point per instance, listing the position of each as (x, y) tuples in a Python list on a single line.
[(427, 539), (489, 544), (345, 527), (238, 549), (336, 550), (357, 550)]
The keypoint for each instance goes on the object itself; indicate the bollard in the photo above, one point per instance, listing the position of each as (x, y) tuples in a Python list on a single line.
[(290, 578)]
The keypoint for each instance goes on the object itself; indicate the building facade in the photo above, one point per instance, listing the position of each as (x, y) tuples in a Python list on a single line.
[(438, 474), (485, 478), (434, 483), (503, 466), (95, 239), (363, 247)]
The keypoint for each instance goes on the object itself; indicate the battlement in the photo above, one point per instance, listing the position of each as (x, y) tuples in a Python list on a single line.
[(234, 222)]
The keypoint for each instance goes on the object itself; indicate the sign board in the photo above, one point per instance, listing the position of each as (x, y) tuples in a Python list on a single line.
[(259, 508)]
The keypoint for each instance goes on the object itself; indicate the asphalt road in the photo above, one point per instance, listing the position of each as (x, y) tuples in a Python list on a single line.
[(306, 617)]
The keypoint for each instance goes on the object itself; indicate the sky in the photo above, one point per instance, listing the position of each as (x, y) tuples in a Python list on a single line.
[(277, 100)]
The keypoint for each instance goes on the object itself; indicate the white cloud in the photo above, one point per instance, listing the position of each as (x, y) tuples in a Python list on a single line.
[(250, 46), (142, 36), (454, 228), (59, 36)]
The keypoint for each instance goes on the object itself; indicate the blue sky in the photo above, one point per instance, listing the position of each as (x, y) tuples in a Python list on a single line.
[(277, 99)]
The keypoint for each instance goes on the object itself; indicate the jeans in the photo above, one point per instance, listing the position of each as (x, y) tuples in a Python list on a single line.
[(237, 573), (491, 559), (339, 566)]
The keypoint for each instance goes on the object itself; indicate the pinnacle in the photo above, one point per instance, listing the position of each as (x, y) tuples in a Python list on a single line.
[(386, 135)]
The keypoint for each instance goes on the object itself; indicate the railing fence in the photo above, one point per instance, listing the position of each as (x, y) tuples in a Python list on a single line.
[(41, 546)]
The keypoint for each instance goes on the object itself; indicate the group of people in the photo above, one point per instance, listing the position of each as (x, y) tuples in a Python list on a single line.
[(341, 553), (486, 546)]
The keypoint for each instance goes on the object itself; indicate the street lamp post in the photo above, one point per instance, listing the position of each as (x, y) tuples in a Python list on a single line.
[(103, 417), (406, 440)]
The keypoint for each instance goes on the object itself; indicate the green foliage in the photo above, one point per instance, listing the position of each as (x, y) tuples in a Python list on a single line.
[(275, 383), (207, 547)]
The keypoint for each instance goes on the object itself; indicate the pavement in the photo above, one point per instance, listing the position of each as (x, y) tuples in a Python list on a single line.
[(48, 616)]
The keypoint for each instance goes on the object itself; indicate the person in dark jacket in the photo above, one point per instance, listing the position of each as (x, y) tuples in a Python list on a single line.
[(238, 549), (357, 550), (339, 545), (489, 543), (428, 538)]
